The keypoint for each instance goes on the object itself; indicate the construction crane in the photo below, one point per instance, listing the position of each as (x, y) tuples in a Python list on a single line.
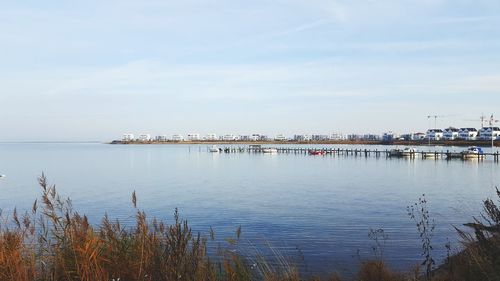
[(435, 119), (482, 119), (492, 120)]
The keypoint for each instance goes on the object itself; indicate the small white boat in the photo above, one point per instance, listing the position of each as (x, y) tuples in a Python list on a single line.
[(2, 176), (408, 152), (214, 149), (395, 152), (473, 152), (269, 150), (429, 155)]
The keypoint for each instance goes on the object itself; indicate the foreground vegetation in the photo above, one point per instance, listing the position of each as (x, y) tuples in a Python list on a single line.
[(54, 242)]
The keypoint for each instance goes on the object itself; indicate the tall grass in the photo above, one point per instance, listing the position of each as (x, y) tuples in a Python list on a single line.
[(480, 258), (419, 213), (53, 242)]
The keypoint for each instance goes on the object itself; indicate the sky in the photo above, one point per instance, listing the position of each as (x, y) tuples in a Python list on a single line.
[(93, 70)]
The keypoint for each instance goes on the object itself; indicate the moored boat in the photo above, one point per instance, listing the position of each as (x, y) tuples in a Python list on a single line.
[(270, 150), (429, 155), (395, 152), (214, 149), (473, 152), (316, 152), (408, 152)]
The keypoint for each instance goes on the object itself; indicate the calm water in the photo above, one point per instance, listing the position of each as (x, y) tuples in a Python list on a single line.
[(319, 209)]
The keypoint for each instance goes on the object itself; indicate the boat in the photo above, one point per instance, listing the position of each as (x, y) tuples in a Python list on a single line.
[(429, 155), (2, 176), (316, 152), (270, 150), (454, 155), (395, 152), (408, 152), (214, 149), (473, 152)]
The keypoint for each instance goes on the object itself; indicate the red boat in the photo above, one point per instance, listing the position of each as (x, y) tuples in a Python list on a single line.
[(316, 152)]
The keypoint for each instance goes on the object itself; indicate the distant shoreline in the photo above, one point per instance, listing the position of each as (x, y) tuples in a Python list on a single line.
[(482, 143)]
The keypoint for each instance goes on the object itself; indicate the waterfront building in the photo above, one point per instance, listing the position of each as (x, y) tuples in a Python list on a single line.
[(337, 136), (488, 133), (354, 137), (280, 137), (128, 137), (161, 138), (301, 138), (320, 137), (405, 137), (390, 136), (434, 134), (450, 133), (255, 137), (193, 137), (264, 138), (244, 138), (230, 137), (177, 138), (211, 137), (412, 137), (144, 137), (418, 136), (371, 137), (467, 133)]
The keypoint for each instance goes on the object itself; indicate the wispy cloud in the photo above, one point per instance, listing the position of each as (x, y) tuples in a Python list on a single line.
[(464, 20), (305, 27)]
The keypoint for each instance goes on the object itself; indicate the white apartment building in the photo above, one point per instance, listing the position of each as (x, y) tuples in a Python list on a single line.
[(144, 137), (418, 136), (193, 137), (451, 133), (302, 137), (280, 137), (434, 134), (255, 137), (211, 137), (177, 138), (337, 136), (161, 138), (230, 137), (128, 137), (488, 133), (467, 133)]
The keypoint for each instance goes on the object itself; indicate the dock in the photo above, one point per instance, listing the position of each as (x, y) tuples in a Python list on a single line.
[(354, 152)]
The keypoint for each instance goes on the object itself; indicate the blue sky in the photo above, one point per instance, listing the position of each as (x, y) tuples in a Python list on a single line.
[(92, 70)]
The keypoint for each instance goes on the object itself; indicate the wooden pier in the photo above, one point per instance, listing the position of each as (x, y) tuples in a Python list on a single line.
[(354, 152)]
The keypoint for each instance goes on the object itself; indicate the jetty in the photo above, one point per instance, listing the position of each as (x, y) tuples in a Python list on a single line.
[(362, 152)]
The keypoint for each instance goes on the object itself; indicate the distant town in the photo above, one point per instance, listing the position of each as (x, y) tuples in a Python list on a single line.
[(448, 134)]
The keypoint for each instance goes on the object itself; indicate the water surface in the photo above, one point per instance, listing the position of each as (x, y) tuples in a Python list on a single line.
[(317, 209)]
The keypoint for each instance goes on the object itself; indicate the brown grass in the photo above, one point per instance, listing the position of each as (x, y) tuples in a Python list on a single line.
[(52, 242)]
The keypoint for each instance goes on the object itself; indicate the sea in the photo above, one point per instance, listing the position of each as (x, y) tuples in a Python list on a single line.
[(317, 212)]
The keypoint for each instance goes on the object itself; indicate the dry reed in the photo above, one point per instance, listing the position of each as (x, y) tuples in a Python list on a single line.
[(53, 242)]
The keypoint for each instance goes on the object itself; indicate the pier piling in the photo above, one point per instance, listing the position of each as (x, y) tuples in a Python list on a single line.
[(359, 152)]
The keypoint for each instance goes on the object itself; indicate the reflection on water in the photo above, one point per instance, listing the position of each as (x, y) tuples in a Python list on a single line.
[(320, 208)]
